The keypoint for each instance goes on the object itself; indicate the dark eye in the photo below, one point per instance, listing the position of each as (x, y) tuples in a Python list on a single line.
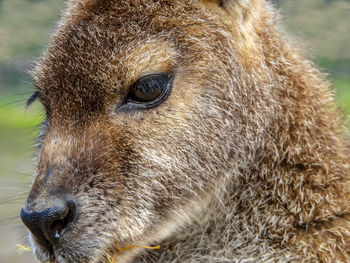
[(149, 91)]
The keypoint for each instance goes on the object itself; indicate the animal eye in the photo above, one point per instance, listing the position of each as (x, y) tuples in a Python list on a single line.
[(149, 91)]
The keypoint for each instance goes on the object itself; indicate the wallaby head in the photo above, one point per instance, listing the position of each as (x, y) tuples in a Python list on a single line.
[(185, 124)]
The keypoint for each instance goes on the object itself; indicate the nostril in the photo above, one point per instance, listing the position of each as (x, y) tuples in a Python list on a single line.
[(58, 227)]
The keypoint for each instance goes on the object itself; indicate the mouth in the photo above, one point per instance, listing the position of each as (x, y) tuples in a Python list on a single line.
[(62, 254), (55, 255), (65, 229), (42, 253)]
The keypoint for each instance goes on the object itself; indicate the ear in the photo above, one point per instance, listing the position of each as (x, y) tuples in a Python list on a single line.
[(239, 10), (229, 4), (245, 19)]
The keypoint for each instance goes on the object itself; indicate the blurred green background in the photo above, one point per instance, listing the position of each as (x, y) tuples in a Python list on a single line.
[(322, 27)]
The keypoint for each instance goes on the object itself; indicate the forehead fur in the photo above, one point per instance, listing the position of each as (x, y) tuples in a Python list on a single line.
[(103, 47)]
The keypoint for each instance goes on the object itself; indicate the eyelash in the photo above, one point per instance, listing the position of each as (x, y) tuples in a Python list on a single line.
[(33, 98)]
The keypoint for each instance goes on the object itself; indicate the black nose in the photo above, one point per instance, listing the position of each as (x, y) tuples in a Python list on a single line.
[(51, 223)]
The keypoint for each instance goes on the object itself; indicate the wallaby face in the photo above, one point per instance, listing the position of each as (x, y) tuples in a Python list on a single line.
[(165, 113), (136, 130)]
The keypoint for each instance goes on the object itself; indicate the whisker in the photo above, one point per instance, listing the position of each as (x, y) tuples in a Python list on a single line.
[(13, 103), (14, 198), (14, 172), (10, 96), (9, 224), (11, 220), (14, 186), (17, 200)]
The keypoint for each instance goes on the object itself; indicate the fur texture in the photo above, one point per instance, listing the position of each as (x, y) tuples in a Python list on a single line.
[(244, 162)]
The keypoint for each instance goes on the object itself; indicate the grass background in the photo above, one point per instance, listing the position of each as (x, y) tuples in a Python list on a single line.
[(322, 27)]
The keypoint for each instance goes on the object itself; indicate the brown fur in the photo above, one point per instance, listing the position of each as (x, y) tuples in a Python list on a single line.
[(244, 162)]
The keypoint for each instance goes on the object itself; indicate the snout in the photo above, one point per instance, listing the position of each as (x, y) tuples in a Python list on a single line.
[(49, 223)]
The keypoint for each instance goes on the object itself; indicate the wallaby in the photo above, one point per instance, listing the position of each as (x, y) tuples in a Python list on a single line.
[(186, 124)]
